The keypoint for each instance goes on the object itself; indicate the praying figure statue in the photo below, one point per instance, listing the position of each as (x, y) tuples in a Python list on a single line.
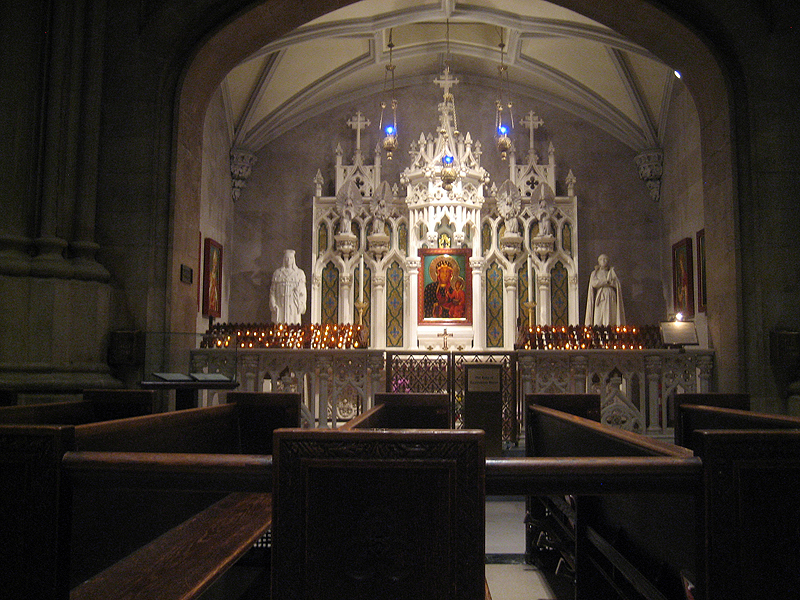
[(287, 294), (604, 300)]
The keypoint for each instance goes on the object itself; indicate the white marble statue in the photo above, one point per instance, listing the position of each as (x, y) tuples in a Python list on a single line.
[(509, 203), (543, 215), (348, 201), (287, 294), (604, 300), (380, 207)]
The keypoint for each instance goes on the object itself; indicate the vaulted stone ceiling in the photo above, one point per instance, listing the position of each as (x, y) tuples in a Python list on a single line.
[(553, 54)]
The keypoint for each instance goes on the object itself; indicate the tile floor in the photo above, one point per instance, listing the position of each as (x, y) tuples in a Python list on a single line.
[(508, 576)]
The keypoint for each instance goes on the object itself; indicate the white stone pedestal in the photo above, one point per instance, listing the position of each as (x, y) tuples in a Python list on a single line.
[(429, 337)]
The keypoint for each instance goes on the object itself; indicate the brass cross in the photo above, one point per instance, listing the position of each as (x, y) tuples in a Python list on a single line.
[(444, 335)]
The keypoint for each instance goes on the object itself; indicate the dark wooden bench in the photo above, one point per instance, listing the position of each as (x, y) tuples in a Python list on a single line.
[(96, 405), (691, 418), (582, 405), (378, 514), (405, 411), (114, 487), (185, 561), (635, 515)]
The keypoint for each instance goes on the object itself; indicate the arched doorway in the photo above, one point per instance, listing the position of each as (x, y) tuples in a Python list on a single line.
[(638, 20)]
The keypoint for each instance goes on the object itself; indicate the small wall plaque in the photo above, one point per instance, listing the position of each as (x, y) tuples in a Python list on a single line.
[(187, 274)]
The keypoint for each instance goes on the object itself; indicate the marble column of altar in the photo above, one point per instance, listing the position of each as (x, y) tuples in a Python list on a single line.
[(378, 313), (413, 264)]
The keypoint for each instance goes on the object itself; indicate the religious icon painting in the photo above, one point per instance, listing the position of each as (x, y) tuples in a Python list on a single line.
[(212, 278), (445, 286), (683, 278), (701, 270)]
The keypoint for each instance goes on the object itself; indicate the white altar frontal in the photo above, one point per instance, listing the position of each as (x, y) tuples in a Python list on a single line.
[(445, 258)]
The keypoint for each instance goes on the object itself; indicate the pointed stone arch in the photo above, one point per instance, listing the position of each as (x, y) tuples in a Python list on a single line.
[(706, 76)]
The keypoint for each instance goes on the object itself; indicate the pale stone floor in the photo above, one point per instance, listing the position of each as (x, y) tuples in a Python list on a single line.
[(507, 575)]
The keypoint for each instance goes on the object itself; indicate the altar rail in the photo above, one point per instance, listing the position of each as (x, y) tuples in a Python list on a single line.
[(636, 387), (335, 385)]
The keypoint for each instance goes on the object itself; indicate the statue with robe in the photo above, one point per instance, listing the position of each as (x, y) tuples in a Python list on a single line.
[(543, 216), (380, 208), (604, 300), (509, 203), (287, 294)]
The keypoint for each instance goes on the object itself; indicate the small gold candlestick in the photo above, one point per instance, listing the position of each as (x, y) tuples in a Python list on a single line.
[(361, 307), (529, 306)]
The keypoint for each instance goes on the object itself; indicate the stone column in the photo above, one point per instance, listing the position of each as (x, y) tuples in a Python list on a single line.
[(83, 247), (316, 298), (476, 263), (378, 312), (526, 373), (509, 311), (58, 303), (705, 364), (346, 298), (579, 370), (543, 304), (652, 369), (412, 265)]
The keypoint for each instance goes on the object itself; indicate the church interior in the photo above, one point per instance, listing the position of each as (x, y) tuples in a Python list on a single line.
[(563, 224)]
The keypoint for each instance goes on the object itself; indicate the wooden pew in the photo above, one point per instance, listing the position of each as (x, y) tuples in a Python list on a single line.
[(120, 484), (378, 514), (97, 405), (721, 514), (691, 418), (606, 537), (405, 411), (582, 405)]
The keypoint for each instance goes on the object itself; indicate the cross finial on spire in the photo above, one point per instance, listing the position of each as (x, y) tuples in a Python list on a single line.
[(358, 123), (446, 81), (532, 122)]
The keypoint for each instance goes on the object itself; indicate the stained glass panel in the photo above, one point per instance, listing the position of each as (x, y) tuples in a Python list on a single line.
[(394, 306), (559, 296), (494, 306), (330, 294)]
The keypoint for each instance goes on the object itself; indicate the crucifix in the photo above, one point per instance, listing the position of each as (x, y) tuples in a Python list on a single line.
[(358, 123), (532, 122), (444, 335)]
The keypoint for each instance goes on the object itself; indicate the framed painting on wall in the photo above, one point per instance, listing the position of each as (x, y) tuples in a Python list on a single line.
[(212, 278), (683, 278), (445, 286), (701, 270)]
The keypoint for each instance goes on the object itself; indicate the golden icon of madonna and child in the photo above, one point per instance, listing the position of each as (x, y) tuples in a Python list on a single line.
[(445, 294)]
